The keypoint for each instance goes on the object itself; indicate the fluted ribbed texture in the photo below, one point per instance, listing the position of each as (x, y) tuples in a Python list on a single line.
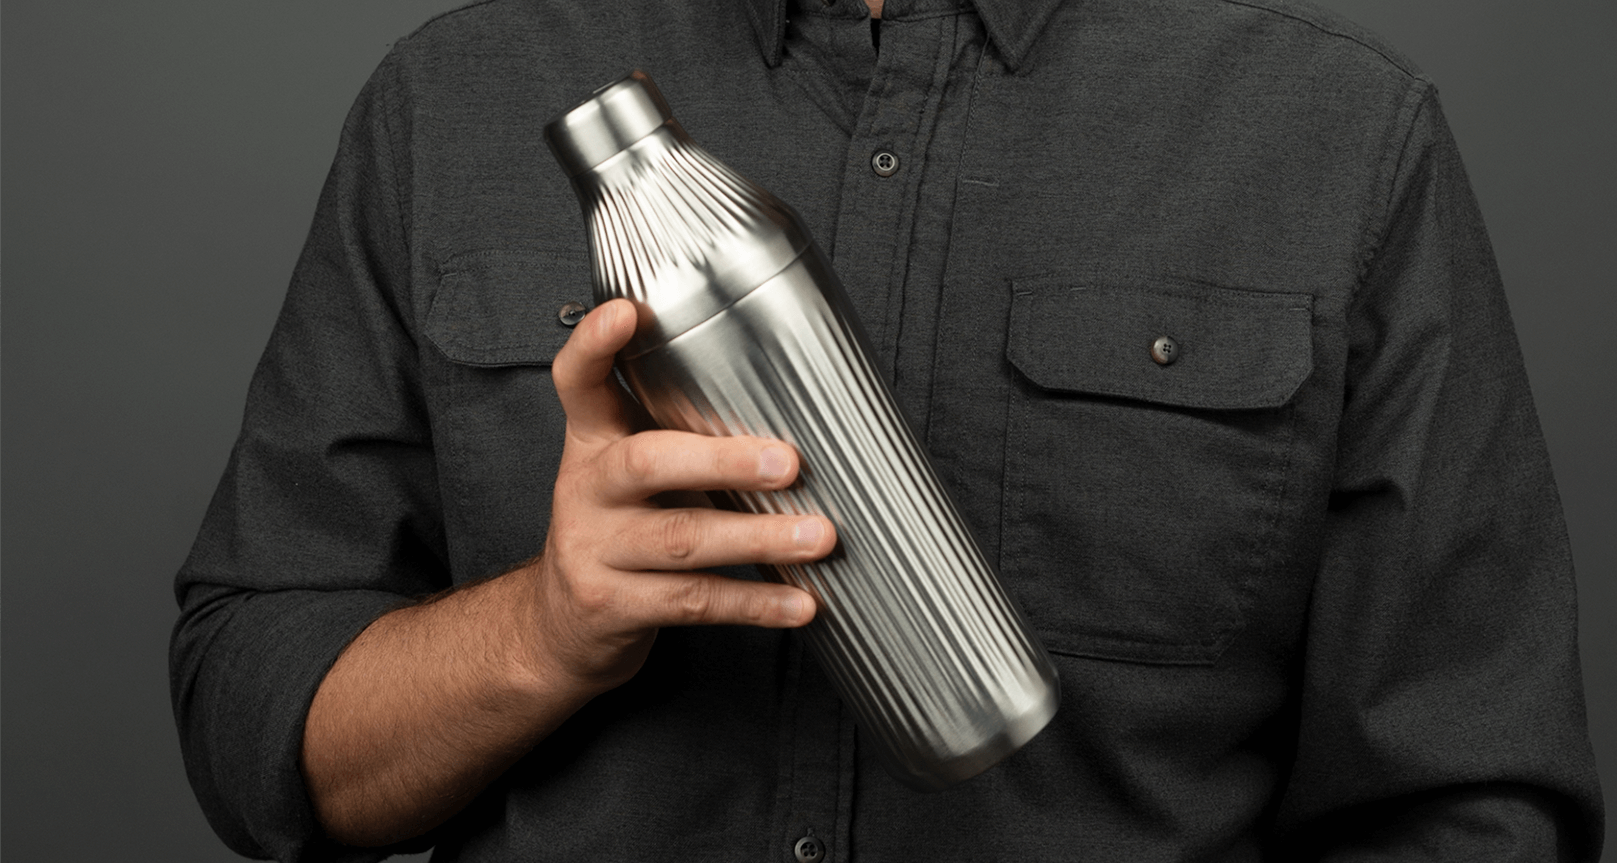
[(914, 628), (744, 330), (681, 235), (668, 213)]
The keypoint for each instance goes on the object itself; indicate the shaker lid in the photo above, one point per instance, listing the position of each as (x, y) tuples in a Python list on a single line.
[(611, 119)]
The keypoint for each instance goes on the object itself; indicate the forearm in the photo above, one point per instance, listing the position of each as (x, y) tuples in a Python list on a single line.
[(426, 707)]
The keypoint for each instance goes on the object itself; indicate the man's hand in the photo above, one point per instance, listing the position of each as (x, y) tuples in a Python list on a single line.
[(433, 702), (613, 569)]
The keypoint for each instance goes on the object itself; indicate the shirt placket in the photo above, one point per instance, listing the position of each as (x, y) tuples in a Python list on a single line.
[(888, 159), (812, 820), (888, 170)]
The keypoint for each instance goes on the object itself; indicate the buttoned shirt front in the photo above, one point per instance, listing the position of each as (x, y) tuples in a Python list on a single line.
[(1302, 570)]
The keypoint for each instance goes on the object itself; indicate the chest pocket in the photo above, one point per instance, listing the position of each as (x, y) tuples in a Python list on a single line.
[(497, 425), (501, 308), (1142, 489)]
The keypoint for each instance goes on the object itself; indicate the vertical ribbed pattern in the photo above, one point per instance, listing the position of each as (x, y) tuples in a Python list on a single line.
[(914, 628), (663, 214), (744, 332)]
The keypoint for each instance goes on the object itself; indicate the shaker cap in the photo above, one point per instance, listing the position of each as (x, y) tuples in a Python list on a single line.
[(611, 119)]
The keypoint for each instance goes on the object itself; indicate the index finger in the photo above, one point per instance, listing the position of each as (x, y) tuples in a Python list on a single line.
[(582, 372)]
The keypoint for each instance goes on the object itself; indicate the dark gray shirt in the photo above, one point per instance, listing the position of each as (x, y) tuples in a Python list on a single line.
[(1307, 587)]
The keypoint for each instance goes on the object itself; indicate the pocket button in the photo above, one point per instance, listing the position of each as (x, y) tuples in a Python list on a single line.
[(1165, 350), (571, 313)]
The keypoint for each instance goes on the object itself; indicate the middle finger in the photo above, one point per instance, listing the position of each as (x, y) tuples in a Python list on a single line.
[(679, 539), (641, 465)]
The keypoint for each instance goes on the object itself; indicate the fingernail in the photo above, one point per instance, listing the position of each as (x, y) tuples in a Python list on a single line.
[(807, 533), (773, 463)]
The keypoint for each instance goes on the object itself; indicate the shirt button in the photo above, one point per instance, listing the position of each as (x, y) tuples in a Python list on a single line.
[(1164, 350), (885, 164), (571, 313), (809, 850)]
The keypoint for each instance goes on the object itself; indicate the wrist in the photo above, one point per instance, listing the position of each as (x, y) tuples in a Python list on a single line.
[(545, 662)]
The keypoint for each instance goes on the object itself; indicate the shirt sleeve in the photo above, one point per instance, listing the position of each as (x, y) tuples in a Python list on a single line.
[(1441, 714), (328, 514)]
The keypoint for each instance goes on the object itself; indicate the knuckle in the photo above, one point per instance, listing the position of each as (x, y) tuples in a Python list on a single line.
[(638, 459), (569, 487), (760, 607), (574, 536), (593, 598), (575, 574), (680, 534), (694, 599), (562, 551)]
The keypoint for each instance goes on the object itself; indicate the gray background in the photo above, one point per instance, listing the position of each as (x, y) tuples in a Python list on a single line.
[(162, 161)]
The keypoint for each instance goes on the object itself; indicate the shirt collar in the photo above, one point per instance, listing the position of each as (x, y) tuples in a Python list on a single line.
[(1013, 25)]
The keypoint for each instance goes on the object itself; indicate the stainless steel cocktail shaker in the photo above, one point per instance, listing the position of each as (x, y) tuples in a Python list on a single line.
[(744, 329)]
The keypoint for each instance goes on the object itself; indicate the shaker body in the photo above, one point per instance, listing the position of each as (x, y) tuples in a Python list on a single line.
[(744, 329), (913, 628)]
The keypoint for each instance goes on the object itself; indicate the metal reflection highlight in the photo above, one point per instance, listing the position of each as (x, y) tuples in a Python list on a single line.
[(744, 329)]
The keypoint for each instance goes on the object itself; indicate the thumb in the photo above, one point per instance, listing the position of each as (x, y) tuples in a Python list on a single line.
[(582, 372)]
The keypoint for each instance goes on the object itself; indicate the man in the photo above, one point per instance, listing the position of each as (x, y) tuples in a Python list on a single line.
[(1304, 576)]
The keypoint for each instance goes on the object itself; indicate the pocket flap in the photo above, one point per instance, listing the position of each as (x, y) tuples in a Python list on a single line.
[(1235, 349), (499, 308)]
